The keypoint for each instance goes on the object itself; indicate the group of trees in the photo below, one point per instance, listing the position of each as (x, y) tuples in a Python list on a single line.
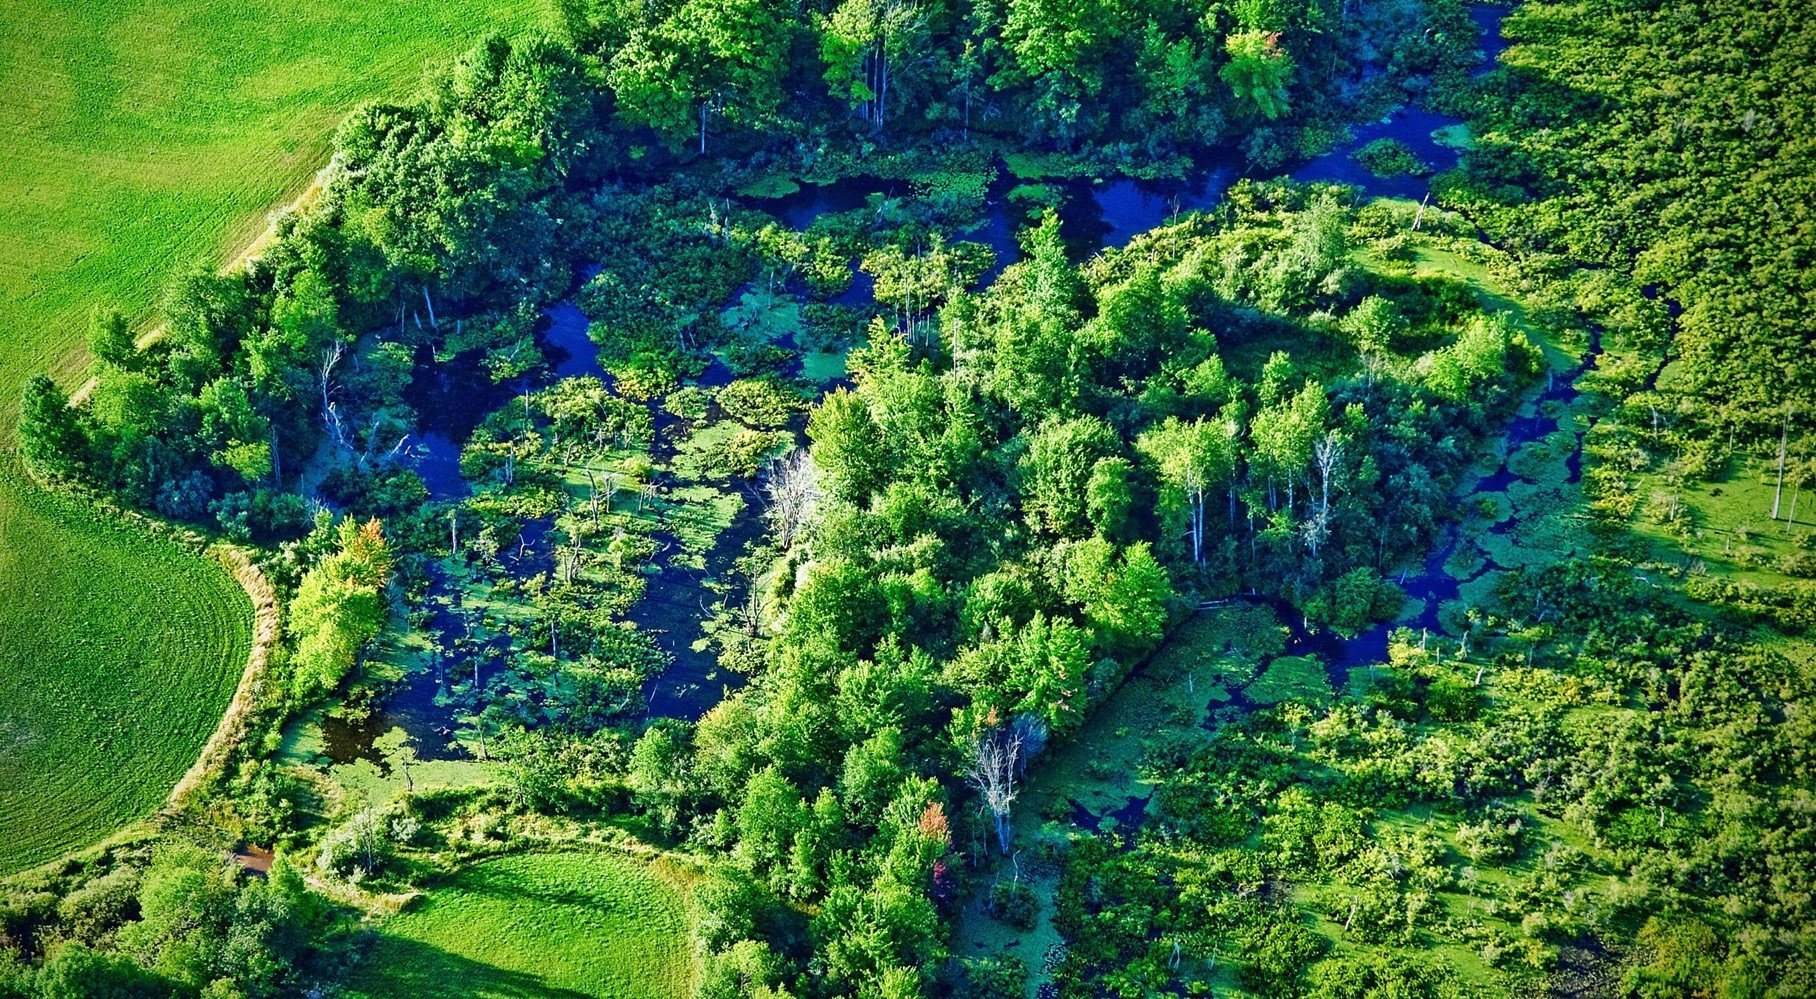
[(180, 922), (1001, 515), (440, 219)]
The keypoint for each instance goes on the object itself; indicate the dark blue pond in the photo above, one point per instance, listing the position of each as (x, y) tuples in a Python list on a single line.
[(574, 353), (1413, 127)]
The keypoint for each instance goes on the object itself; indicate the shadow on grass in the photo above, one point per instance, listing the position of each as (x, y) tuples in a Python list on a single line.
[(400, 967)]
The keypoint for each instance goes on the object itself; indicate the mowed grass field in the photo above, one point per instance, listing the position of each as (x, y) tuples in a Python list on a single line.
[(141, 138), (118, 653), (569, 924)]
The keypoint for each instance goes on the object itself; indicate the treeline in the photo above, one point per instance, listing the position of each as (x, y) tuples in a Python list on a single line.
[(446, 220), (1136, 79), (174, 920)]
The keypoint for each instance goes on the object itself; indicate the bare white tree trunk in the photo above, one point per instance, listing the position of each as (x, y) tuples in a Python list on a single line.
[(1783, 437), (997, 758), (794, 493)]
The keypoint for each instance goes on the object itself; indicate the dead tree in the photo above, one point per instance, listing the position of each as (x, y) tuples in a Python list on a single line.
[(997, 758), (1784, 435), (794, 492)]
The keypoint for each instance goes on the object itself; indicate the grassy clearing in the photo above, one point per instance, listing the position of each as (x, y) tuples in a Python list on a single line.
[(117, 657), (542, 924), (1727, 524)]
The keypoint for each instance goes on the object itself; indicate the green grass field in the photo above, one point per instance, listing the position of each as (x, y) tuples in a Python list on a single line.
[(118, 653), (142, 138), (539, 925)]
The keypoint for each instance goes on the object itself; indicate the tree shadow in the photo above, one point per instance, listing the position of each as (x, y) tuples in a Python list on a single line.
[(402, 967)]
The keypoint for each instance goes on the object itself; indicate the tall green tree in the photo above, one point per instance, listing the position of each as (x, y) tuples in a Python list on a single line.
[(49, 433), (724, 57), (1192, 459), (1259, 72), (864, 43), (339, 607)]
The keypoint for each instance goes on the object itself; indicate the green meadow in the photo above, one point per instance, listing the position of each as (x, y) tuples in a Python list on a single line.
[(142, 138), (118, 653), (569, 924)]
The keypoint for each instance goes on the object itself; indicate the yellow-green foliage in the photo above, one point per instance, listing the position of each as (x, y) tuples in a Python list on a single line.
[(339, 608), (548, 924), (118, 653)]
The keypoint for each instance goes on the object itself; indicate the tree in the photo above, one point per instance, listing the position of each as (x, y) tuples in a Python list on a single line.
[(111, 341), (724, 56), (49, 433), (1057, 468), (1061, 48), (1122, 594), (1139, 323), (769, 814), (339, 607), (1372, 326), (659, 773), (1051, 657), (748, 970), (1192, 458), (236, 433), (1285, 435), (872, 772), (793, 488), (1110, 497), (847, 446), (862, 43), (995, 765), (1259, 71), (75, 971)]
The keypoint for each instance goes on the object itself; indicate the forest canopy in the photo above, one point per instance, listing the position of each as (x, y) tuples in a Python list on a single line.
[(722, 422)]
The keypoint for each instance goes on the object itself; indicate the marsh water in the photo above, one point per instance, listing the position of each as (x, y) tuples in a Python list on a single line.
[(1093, 215)]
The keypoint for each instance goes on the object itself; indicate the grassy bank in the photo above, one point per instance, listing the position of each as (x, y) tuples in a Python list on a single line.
[(545, 924)]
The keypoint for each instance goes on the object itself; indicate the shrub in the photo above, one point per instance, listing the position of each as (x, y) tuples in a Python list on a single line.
[(1390, 158), (1013, 902), (1495, 839)]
